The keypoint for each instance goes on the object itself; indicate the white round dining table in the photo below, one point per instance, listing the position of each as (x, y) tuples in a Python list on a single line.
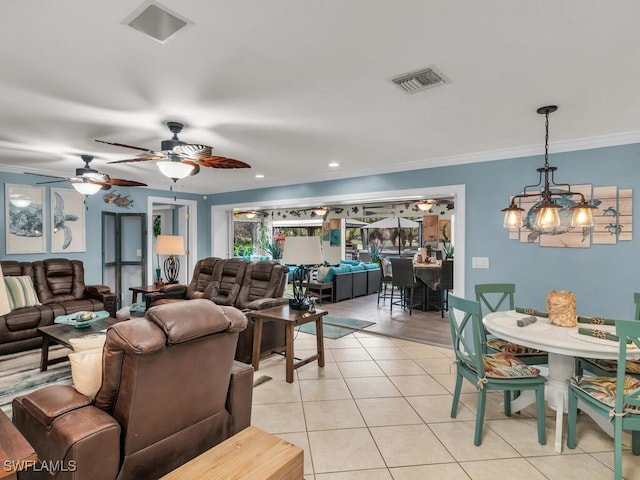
[(563, 344)]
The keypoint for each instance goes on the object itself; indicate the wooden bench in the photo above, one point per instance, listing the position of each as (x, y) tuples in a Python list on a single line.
[(251, 453)]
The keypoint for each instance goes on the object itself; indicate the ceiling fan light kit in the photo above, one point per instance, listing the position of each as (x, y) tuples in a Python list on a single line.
[(175, 170), (548, 208), (86, 188)]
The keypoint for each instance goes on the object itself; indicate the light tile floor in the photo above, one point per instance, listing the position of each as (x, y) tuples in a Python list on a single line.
[(379, 410)]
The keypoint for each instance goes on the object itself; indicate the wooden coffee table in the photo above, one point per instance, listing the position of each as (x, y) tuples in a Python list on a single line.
[(60, 334), (291, 319)]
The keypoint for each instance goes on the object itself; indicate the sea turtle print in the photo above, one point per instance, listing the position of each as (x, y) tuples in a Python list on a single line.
[(59, 221)]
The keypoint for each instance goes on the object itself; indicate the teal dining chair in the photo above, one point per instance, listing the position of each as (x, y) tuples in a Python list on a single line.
[(616, 399), (499, 371), (500, 296), (608, 368)]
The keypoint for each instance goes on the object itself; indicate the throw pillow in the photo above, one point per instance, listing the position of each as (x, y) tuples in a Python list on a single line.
[(86, 363), (322, 273), (86, 371), (21, 292), (88, 342)]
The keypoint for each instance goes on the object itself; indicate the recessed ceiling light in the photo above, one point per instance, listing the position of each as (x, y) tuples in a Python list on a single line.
[(259, 175), (334, 164)]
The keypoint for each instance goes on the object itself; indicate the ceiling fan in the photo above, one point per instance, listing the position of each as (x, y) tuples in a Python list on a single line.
[(88, 180), (179, 159)]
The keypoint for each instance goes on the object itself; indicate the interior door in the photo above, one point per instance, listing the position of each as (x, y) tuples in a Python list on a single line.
[(124, 259)]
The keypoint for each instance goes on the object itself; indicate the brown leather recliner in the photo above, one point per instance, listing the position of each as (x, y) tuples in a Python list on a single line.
[(227, 279), (61, 281), (170, 391), (200, 286), (18, 328), (262, 287)]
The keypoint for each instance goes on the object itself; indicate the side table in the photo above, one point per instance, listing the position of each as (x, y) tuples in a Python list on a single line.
[(144, 289), (291, 319), (321, 290), (15, 452)]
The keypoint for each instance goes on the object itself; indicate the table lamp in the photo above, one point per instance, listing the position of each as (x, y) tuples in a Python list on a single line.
[(171, 245), (301, 251), (5, 306)]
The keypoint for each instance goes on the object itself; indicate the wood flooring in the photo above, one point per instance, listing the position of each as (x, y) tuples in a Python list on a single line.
[(424, 327)]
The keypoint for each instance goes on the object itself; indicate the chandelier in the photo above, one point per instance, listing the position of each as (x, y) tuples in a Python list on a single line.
[(547, 208)]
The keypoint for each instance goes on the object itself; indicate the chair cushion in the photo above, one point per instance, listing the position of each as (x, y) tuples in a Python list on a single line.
[(633, 366), (512, 348), (603, 389), (503, 365), (21, 292)]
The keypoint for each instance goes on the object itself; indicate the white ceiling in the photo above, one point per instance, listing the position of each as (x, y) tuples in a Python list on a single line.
[(291, 85)]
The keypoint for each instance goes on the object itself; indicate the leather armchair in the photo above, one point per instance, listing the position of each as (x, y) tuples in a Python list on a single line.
[(263, 286), (199, 287), (61, 281), (227, 279), (170, 391)]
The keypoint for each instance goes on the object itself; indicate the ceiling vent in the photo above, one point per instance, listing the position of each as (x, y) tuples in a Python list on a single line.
[(156, 21), (421, 80)]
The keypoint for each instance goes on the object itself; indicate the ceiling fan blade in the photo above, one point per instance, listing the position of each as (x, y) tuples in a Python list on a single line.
[(119, 182), (224, 162), (43, 175), (54, 181), (125, 146), (139, 159)]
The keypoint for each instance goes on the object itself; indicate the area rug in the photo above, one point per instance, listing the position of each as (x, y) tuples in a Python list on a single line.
[(336, 327), (20, 374)]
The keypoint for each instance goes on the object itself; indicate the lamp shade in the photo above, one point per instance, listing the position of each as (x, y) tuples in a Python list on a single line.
[(5, 307), (170, 245), (302, 251)]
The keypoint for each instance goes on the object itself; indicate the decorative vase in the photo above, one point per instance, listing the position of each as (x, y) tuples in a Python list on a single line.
[(561, 306)]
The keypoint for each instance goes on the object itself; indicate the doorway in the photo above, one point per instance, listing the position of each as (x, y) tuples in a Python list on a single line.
[(222, 218), (123, 253), (169, 216)]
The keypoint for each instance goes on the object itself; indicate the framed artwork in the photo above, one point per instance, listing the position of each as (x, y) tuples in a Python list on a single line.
[(25, 229), (67, 221), (334, 238), (325, 231)]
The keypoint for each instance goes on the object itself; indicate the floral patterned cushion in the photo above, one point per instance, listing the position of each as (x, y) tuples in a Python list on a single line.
[(503, 365), (633, 366), (603, 389), (512, 348)]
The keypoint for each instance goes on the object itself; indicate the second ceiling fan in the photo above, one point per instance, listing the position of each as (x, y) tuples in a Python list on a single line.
[(178, 159)]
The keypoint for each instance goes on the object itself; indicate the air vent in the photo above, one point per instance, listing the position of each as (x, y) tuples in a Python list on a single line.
[(156, 21), (421, 80)]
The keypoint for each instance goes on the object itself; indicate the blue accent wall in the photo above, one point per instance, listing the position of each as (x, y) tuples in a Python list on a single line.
[(95, 205), (603, 277)]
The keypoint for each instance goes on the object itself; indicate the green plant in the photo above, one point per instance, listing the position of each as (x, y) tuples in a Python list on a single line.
[(273, 249), (447, 247), (375, 247)]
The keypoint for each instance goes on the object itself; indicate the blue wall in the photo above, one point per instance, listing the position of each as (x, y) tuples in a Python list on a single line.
[(95, 204), (603, 277)]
